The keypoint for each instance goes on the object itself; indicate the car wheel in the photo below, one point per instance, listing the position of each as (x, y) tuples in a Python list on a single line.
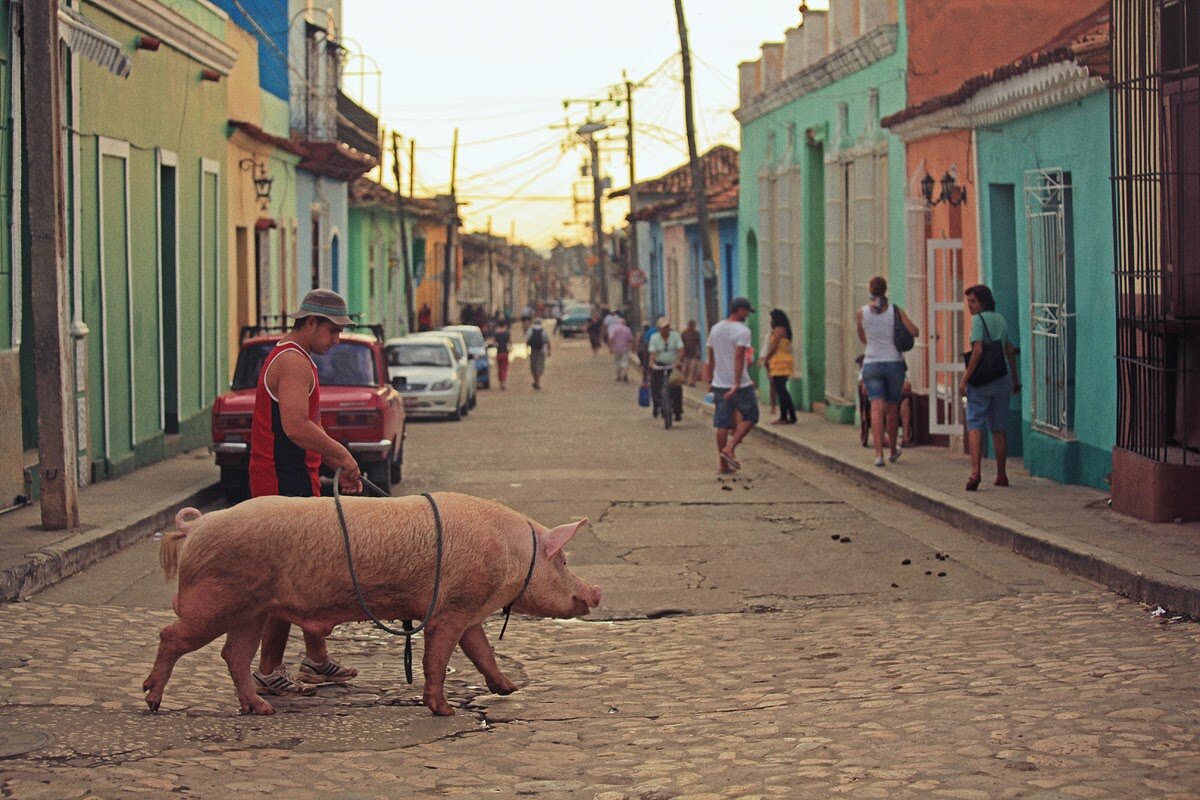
[(379, 473), (456, 414), (474, 401), (235, 485), (397, 466)]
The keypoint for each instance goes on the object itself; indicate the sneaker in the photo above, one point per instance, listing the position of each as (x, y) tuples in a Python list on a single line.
[(879, 461), (279, 683), (894, 457), (330, 672)]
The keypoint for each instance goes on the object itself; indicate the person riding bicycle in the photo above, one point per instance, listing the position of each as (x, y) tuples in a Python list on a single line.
[(666, 350)]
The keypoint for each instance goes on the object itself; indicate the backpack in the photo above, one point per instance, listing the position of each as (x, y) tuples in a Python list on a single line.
[(900, 336), (536, 339)]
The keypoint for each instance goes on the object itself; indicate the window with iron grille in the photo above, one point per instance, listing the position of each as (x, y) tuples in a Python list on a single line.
[(1047, 203)]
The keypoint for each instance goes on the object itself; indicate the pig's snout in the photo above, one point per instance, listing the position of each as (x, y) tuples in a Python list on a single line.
[(590, 599), (593, 598)]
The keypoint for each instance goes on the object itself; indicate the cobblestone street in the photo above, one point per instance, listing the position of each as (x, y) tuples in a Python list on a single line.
[(759, 637)]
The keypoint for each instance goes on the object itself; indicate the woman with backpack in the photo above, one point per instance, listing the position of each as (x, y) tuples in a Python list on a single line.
[(883, 364), (539, 347)]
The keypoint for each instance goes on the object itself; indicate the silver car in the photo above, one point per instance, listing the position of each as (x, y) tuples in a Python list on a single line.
[(458, 341), (427, 374)]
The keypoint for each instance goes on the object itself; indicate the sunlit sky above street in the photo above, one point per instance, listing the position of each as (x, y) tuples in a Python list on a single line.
[(499, 72)]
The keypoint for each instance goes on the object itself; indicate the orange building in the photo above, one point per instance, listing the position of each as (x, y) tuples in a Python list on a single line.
[(430, 238), (947, 46)]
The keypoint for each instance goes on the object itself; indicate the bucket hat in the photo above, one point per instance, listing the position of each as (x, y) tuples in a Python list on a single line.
[(324, 303)]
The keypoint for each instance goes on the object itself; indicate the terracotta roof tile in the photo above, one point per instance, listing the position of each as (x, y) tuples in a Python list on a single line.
[(1084, 41)]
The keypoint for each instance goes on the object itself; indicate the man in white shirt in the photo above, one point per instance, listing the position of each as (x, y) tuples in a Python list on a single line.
[(732, 388)]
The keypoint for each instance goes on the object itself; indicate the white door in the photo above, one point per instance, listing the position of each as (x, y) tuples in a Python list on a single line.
[(944, 274)]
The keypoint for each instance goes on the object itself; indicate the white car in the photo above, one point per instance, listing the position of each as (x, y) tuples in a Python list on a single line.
[(458, 341), (427, 374)]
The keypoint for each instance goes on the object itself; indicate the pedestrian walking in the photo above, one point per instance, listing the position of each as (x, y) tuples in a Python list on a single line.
[(643, 350), (883, 365), (620, 342), (538, 343), (503, 340), (595, 332), (526, 317), (989, 381), (691, 352), (425, 318), (730, 383), (666, 350), (287, 447), (780, 365)]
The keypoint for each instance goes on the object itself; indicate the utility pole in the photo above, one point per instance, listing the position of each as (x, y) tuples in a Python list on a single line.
[(447, 269), (633, 296), (57, 453), (491, 270), (597, 222), (708, 270), (412, 167), (405, 259)]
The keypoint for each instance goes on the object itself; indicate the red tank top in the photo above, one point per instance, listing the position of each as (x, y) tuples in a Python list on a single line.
[(278, 466)]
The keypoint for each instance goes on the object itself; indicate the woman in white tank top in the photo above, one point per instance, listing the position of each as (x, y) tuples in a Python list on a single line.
[(883, 365)]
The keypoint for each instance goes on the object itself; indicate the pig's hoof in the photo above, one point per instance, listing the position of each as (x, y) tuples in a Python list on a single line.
[(256, 705), (153, 705), (440, 708), (502, 687)]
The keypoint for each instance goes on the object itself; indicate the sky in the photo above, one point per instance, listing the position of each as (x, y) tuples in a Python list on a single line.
[(499, 71)]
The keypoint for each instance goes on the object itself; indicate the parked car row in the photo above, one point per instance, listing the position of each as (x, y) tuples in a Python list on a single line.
[(439, 372)]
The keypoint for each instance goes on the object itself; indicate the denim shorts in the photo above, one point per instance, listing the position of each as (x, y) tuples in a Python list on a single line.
[(744, 400), (988, 405), (884, 380)]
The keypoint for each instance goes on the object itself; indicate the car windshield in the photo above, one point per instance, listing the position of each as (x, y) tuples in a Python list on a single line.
[(418, 355), (346, 364), (474, 338), (455, 343), (578, 312)]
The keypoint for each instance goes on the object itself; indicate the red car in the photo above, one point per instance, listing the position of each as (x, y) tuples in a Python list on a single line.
[(359, 408)]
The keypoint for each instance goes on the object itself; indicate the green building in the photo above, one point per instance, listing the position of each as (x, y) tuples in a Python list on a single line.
[(376, 256), (817, 179)]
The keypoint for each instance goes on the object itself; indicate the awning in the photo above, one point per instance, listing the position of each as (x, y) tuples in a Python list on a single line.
[(87, 40)]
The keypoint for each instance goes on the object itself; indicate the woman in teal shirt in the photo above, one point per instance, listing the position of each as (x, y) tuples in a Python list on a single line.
[(987, 405)]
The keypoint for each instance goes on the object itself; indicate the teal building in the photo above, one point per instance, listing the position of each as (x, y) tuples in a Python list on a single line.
[(819, 177)]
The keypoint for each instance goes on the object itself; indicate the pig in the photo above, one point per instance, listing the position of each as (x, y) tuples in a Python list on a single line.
[(285, 557)]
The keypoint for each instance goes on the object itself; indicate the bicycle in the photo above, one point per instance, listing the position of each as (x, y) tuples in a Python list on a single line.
[(665, 405)]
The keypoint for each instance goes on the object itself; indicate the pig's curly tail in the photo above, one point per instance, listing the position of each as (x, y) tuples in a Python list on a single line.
[(168, 551)]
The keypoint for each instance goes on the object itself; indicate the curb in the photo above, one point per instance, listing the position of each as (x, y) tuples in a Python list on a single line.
[(49, 565), (1115, 571)]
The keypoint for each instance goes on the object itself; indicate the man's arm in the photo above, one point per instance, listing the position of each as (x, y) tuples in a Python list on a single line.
[(739, 365), (708, 367), (294, 379)]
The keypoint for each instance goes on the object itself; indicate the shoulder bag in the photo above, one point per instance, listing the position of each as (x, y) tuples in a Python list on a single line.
[(992, 365), (900, 336)]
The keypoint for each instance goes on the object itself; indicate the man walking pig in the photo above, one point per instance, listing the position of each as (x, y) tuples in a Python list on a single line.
[(287, 447), (285, 556)]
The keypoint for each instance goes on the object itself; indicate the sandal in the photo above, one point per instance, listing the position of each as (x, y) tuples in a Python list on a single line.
[(730, 461), (280, 684), (331, 671), (973, 483)]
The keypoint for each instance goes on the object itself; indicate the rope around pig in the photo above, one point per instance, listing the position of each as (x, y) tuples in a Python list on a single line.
[(409, 631)]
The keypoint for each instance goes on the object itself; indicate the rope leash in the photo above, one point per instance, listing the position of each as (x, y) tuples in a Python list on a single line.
[(409, 631)]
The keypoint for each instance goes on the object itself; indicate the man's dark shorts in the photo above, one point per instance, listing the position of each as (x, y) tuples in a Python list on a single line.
[(744, 400)]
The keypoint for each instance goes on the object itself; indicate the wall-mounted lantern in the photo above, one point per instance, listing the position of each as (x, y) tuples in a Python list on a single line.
[(952, 193), (262, 181)]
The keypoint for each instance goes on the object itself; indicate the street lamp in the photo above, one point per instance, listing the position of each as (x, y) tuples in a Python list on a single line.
[(262, 181), (951, 193)]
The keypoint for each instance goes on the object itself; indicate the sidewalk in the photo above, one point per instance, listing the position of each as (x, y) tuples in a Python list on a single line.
[(1069, 527), (112, 515)]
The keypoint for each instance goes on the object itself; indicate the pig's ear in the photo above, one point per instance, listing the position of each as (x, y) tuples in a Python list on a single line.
[(555, 540)]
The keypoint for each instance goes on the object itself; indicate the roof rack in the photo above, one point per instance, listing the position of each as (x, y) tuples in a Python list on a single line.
[(279, 323)]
